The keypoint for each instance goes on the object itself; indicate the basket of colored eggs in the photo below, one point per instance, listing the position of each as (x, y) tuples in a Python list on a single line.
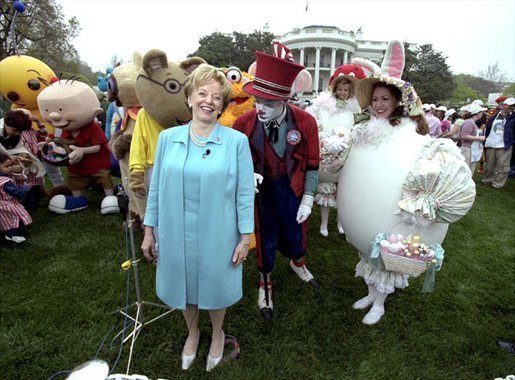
[(406, 254)]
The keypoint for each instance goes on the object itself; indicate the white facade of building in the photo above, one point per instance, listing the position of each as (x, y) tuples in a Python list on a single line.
[(322, 49)]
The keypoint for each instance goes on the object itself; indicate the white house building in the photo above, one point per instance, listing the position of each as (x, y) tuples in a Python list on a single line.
[(321, 49)]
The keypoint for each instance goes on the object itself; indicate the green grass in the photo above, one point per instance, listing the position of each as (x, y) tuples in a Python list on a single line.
[(61, 288)]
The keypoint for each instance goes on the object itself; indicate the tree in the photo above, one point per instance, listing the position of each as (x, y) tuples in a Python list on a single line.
[(464, 93), (509, 91), (236, 49), (217, 49), (493, 73), (481, 86), (40, 32), (429, 73)]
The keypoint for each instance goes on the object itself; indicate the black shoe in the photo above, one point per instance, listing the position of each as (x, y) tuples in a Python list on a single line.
[(506, 346), (266, 313)]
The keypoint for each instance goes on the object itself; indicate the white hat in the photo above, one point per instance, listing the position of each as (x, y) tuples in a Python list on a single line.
[(464, 108), (479, 102), (442, 108), (433, 106), (449, 113), (475, 108), (509, 101), (426, 107)]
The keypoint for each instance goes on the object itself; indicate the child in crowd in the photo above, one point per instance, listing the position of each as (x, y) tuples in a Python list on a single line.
[(13, 216), (18, 137), (333, 111)]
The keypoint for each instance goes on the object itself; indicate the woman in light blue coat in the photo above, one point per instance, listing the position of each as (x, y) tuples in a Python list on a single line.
[(201, 198)]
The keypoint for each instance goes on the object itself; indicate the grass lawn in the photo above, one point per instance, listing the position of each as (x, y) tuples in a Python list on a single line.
[(62, 287)]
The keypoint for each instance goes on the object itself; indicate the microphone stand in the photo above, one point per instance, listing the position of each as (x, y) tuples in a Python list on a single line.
[(139, 320)]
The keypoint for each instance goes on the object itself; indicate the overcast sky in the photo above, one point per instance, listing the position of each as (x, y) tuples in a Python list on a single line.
[(471, 33)]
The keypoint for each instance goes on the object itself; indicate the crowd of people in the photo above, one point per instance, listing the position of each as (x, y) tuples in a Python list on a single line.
[(485, 136), (211, 187)]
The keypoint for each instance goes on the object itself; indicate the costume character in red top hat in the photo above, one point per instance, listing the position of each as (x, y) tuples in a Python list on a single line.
[(285, 151)]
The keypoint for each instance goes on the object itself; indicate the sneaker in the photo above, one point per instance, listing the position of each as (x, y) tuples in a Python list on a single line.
[(16, 239), (507, 346), (304, 274)]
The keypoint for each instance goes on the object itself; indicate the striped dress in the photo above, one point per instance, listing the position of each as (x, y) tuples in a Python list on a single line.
[(11, 211), (30, 142)]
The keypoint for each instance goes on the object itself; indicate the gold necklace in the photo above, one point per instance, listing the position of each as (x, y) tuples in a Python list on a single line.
[(196, 141)]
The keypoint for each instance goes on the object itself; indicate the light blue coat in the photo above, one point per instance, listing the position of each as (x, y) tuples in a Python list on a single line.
[(226, 210)]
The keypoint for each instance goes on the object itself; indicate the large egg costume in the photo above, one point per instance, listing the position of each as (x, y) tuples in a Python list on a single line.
[(397, 181)]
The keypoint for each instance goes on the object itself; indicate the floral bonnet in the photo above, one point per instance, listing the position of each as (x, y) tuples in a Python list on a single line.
[(391, 71)]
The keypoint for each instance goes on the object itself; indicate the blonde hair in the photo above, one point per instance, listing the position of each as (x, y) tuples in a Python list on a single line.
[(204, 73), (342, 80)]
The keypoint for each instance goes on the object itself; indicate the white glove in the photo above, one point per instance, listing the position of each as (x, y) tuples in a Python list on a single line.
[(336, 147), (305, 208), (258, 180)]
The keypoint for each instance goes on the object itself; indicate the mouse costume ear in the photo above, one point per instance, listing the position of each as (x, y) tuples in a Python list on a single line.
[(370, 68), (393, 62), (252, 69), (303, 80)]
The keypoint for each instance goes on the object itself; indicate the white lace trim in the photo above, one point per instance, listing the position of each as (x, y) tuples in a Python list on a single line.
[(376, 131), (385, 281)]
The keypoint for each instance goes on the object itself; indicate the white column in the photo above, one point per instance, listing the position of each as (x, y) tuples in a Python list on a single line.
[(317, 69), (301, 59), (345, 57), (333, 60)]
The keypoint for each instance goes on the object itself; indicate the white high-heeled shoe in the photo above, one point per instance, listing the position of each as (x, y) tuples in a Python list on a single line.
[(212, 362), (187, 360)]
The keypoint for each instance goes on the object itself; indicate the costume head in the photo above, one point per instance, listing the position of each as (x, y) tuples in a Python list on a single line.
[(121, 84), (160, 87), (68, 104), (102, 81), (241, 102), (353, 70), (23, 78)]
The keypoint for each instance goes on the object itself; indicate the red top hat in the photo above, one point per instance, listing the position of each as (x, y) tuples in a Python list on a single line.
[(274, 77)]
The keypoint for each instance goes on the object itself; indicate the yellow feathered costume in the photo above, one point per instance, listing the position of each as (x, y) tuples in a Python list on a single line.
[(241, 102)]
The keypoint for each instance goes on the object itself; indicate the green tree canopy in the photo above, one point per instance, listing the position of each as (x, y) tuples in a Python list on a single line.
[(40, 32), (427, 69), (510, 90), (236, 49), (464, 93)]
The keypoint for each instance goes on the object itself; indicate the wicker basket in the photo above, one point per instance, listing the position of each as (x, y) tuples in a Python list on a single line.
[(412, 267)]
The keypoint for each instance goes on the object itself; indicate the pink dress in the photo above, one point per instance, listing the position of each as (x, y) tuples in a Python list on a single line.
[(11, 211), (29, 141)]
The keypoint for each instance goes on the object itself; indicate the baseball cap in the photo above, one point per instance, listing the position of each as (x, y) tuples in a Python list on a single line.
[(475, 109)]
